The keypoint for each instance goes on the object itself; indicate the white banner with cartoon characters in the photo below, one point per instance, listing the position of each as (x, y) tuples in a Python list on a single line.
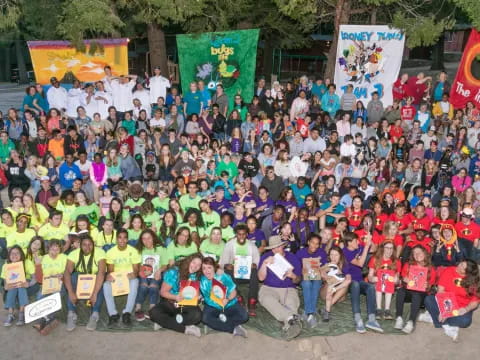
[(369, 57)]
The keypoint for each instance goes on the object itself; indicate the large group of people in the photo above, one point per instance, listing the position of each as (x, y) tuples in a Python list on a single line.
[(201, 207)]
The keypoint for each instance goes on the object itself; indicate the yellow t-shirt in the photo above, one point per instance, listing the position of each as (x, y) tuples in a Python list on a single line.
[(54, 266), (13, 212), (101, 239), (123, 259), (42, 215), (7, 230), (49, 232), (74, 257), (67, 211), (20, 239)]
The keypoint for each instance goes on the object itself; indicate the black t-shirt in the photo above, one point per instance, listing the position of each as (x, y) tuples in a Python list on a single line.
[(249, 168)]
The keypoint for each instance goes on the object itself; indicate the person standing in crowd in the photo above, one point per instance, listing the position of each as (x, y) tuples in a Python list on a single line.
[(57, 96)]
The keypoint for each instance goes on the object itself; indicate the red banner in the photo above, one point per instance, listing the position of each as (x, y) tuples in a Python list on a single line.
[(466, 86)]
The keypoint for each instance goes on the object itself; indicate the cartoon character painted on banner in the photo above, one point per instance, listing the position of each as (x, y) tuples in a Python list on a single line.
[(362, 62)]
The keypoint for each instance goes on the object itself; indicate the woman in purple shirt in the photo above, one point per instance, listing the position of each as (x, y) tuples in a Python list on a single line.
[(256, 235)]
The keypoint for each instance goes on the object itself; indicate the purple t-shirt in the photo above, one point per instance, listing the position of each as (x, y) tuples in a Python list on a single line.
[(305, 254), (220, 206), (246, 199), (236, 145), (272, 279), (269, 202), (257, 237), (354, 270), (302, 233), (288, 205), (239, 221)]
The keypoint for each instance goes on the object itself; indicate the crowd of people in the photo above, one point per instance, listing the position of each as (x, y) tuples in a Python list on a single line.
[(300, 192)]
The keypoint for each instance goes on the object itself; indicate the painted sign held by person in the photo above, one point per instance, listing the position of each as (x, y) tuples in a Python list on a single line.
[(369, 58)]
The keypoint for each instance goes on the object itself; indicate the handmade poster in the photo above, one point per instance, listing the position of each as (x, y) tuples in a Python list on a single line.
[(189, 290), (85, 286), (14, 273), (447, 304), (466, 86), (242, 267), (121, 283), (150, 264), (369, 57), (51, 284), (386, 281), (218, 292), (280, 266), (227, 58), (61, 60), (43, 307), (311, 268), (334, 274), (417, 278)]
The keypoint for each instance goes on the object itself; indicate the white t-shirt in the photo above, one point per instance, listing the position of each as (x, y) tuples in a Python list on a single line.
[(347, 150), (122, 95), (154, 123), (74, 100), (57, 98), (158, 88)]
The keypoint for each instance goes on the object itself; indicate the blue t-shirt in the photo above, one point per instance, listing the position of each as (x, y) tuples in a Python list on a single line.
[(193, 101), (300, 194), (172, 278), (206, 289), (354, 270), (438, 92)]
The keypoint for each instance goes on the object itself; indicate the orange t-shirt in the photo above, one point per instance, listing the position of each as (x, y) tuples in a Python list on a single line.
[(56, 148)]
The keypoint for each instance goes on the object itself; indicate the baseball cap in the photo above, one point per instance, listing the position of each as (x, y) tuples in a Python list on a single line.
[(53, 79), (432, 128), (44, 178)]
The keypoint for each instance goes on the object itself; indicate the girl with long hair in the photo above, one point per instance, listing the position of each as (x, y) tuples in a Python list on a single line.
[(302, 227), (181, 247), (38, 213), (168, 227), (137, 226)]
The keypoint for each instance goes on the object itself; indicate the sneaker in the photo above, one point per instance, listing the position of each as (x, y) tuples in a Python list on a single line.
[(451, 331), (359, 327), (291, 329), (193, 330), (398, 323), (425, 317), (139, 315), (408, 328), (379, 314), (127, 319), (252, 304), (325, 315), (239, 331), (50, 324), (312, 321), (374, 325), (71, 321), (156, 327), (21, 319), (92, 322), (9, 321), (113, 321), (387, 315)]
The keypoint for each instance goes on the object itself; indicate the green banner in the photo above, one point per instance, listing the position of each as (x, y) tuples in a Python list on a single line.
[(227, 57)]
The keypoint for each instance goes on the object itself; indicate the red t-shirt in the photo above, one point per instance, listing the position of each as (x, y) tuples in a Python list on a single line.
[(407, 113), (399, 90), (336, 237), (385, 264), (380, 220), (451, 281), (416, 90), (470, 232), (378, 239), (354, 217), (423, 223), (362, 233), (402, 222), (396, 132), (437, 220), (414, 242), (302, 127), (431, 271)]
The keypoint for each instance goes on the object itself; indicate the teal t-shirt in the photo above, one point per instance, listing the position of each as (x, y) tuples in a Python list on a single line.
[(172, 278), (193, 101), (206, 289)]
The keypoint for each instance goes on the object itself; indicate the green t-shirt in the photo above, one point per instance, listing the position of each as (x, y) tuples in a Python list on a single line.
[(133, 206), (186, 202), (198, 229), (92, 211), (209, 248), (134, 235), (67, 211), (161, 205), (241, 250), (231, 168), (227, 233), (152, 219), (160, 251), (179, 252), (211, 220), (129, 125)]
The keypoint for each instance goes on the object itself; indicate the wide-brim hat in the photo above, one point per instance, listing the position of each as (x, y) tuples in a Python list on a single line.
[(275, 241)]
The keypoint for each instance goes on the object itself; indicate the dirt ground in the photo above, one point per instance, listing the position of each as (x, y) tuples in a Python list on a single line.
[(425, 343)]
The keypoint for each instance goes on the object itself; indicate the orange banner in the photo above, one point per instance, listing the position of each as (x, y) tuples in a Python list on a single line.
[(61, 60)]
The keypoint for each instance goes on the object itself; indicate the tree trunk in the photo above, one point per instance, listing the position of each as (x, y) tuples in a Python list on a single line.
[(7, 65), (158, 48), (267, 60), (22, 67), (373, 17), (437, 54), (342, 16)]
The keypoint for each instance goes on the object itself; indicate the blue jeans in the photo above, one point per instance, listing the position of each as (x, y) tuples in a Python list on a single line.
[(150, 288), (311, 291), (98, 303), (236, 315), (361, 287), (462, 321), (110, 300), (13, 295)]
